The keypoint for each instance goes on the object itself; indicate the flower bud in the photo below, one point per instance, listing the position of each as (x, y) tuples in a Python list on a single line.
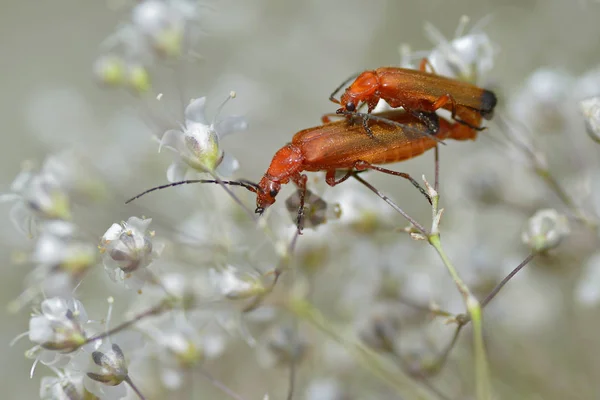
[(590, 109), (545, 230), (113, 368)]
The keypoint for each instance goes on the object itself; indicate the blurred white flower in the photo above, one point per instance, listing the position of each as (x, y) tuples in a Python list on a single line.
[(540, 102), (62, 387), (164, 23), (74, 175), (361, 210), (181, 345), (590, 108), (197, 144), (325, 389), (61, 258), (545, 230), (468, 56), (37, 197), (59, 330), (236, 284), (105, 367), (110, 69), (128, 249), (587, 291)]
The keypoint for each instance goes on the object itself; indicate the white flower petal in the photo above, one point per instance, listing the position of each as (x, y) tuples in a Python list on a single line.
[(230, 125), (113, 232), (22, 218), (176, 171), (21, 181), (40, 329), (195, 112), (141, 225), (5, 198), (173, 139), (227, 166), (171, 378), (587, 292)]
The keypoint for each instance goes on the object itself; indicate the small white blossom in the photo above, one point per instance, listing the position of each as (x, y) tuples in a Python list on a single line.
[(63, 387), (180, 345), (110, 69), (128, 249), (58, 330), (61, 258), (105, 369), (236, 284), (325, 389), (540, 102), (590, 109), (587, 291), (37, 197), (468, 56), (164, 23), (197, 144), (545, 230)]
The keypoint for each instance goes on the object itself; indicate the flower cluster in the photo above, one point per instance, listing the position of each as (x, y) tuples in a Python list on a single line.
[(156, 29), (220, 291)]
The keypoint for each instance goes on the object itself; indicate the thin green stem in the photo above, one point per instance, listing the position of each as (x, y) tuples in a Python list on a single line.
[(482, 379), (482, 373)]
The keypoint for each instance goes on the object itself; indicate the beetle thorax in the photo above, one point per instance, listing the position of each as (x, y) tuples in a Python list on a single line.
[(286, 164), (364, 88)]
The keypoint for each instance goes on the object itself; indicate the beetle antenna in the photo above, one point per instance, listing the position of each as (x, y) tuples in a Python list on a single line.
[(332, 95), (251, 186)]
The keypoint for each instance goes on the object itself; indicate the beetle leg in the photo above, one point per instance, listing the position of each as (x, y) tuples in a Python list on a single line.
[(300, 182), (426, 63), (362, 165), (473, 115), (431, 119), (330, 177), (366, 125)]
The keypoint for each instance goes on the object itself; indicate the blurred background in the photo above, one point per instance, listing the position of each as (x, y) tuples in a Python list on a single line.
[(283, 59)]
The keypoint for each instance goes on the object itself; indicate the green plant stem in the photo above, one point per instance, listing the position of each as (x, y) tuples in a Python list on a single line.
[(482, 378), (364, 356)]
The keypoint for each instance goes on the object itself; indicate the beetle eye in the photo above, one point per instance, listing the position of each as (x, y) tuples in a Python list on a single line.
[(273, 193), (350, 107)]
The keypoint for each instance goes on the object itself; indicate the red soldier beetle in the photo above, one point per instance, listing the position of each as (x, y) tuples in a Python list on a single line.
[(420, 93), (341, 145)]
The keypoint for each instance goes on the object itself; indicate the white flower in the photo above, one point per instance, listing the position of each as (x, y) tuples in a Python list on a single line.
[(180, 346), (197, 145), (325, 389), (63, 387), (61, 258), (587, 292), (468, 56), (590, 108), (164, 23), (37, 197), (105, 369), (545, 230), (540, 102), (236, 284), (59, 330), (128, 249)]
